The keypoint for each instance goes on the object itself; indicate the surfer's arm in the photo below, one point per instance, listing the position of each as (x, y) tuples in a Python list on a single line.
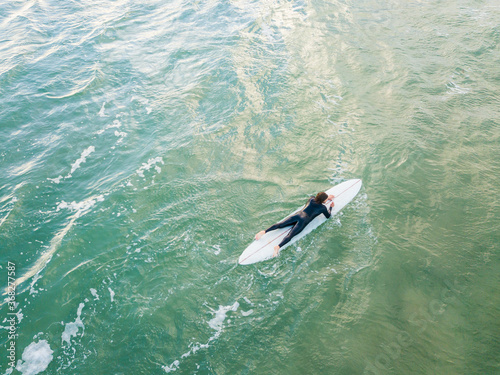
[(328, 211)]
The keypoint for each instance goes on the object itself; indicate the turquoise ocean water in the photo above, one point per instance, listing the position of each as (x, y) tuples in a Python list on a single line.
[(144, 143)]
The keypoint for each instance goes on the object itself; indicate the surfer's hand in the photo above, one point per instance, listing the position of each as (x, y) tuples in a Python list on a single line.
[(331, 196), (332, 204)]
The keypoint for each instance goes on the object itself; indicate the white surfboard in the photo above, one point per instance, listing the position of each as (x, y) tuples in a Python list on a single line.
[(263, 249)]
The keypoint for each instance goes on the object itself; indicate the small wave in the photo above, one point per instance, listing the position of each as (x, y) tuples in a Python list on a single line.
[(80, 209), (79, 87), (21, 12), (7, 207), (27, 166), (46, 256), (456, 89), (47, 53)]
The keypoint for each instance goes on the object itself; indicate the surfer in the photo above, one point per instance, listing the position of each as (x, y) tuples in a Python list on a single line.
[(299, 221)]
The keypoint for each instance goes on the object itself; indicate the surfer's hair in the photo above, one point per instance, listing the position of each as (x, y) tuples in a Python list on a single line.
[(321, 197)]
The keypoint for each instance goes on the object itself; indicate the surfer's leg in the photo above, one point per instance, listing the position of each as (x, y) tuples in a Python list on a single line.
[(276, 250), (259, 235), (282, 224), (289, 221), (296, 229)]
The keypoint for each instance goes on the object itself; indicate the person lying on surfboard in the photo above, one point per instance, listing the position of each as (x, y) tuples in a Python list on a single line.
[(299, 221)]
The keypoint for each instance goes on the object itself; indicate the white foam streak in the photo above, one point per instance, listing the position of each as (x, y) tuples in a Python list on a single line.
[(71, 329), (220, 316), (147, 166), (174, 366), (80, 160), (75, 165), (56, 180), (80, 207), (215, 323), (116, 124), (94, 293), (121, 135), (101, 112)]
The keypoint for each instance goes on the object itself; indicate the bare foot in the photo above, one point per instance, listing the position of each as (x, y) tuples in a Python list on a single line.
[(276, 251), (259, 235)]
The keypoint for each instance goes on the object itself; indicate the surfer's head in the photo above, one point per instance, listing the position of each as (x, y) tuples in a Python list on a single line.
[(321, 197)]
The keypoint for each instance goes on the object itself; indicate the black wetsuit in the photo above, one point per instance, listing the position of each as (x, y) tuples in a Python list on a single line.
[(301, 219)]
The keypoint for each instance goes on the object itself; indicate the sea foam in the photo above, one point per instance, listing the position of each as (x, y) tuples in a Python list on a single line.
[(80, 160), (216, 323), (71, 329), (35, 359)]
